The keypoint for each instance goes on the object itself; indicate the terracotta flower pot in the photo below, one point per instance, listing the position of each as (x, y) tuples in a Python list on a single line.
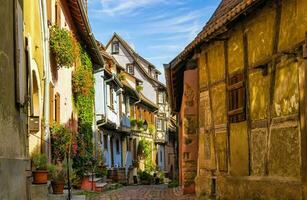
[(40, 176), (57, 187)]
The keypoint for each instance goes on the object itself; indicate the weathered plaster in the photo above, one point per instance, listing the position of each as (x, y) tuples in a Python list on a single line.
[(235, 50), (259, 94), (216, 61), (259, 34), (284, 152), (286, 96), (218, 104), (293, 23), (258, 151), (239, 149)]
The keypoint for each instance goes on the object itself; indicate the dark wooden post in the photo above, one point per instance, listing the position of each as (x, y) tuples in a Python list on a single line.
[(303, 115)]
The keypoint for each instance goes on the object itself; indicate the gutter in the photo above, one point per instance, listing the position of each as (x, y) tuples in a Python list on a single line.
[(47, 80)]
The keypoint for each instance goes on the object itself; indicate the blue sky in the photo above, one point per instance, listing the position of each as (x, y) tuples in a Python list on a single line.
[(157, 29)]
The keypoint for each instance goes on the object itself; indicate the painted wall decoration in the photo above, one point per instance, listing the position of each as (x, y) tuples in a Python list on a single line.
[(189, 95)]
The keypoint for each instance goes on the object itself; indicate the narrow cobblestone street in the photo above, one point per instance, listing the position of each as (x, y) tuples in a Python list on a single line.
[(148, 192)]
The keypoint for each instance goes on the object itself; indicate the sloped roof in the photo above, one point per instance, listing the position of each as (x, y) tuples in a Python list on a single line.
[(136, 57), (227, 11), (81, 21)]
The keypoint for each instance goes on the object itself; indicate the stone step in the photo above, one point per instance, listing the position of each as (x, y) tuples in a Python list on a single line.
[(101, 185), (95, 179)]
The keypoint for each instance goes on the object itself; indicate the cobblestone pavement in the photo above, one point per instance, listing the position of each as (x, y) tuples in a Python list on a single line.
[(148, 192)]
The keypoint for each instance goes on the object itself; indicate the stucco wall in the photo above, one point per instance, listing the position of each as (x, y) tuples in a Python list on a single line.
[(13, 154), (260, 157)]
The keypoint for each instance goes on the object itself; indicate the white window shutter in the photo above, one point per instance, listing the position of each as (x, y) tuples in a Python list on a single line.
[(108, 95), (21, 79)]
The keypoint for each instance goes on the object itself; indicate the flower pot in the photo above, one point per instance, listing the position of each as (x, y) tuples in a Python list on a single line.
[(57, 187), (40, 176)]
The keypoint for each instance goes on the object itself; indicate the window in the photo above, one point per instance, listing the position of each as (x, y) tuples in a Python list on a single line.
[(236, 104), (130, 69), (115, 47), (117, 146), (160, 125), (156, 76), (57, 103), (111, 95), (161, 98), (105, 142)]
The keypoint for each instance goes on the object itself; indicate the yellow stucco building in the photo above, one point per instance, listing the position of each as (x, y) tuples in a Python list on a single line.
[(252, 64), (35, 63)]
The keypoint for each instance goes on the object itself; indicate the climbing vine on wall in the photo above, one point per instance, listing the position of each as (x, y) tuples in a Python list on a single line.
[(62, 46), (83, 88), (144, 152)]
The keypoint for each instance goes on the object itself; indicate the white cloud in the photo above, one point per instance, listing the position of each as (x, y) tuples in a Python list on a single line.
[(127, 7)]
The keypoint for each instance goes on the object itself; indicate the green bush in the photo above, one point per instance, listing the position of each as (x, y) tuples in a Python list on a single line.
[(57, 172), (133, 122), (144, 175), (140, 124), (40, 161), (61, 140), (61, 45)]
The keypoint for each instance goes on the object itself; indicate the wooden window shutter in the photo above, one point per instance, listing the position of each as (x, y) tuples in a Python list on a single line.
[(51, 103), (237, 99), (20, 68), (132, 111), (58, 14), (57, 108)]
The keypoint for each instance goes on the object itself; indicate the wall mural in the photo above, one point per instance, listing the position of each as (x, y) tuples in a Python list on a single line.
[(189, 95), (190, 124)]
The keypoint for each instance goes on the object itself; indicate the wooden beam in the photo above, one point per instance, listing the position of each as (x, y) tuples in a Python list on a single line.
[(275, 36)]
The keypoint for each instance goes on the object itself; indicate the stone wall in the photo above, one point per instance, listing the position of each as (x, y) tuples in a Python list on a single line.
[(13, 137)]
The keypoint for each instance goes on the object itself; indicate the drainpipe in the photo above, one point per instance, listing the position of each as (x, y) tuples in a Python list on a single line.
[(46, 69)]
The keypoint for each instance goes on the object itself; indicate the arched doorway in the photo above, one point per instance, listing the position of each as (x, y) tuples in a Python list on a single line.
[(35, 139)]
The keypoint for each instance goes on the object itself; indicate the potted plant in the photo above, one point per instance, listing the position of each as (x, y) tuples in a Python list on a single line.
[(133, 122), (58, 174), (40, 175), (140, 124), (145, 177)]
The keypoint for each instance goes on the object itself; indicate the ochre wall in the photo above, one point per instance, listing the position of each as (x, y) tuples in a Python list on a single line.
[(33, 31), (265, 149)]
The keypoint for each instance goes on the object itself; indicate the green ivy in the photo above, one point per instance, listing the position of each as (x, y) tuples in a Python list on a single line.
[(62, 46), (144, 149), (83, 88)]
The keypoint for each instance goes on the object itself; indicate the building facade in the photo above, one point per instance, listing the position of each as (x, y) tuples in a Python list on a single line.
[(14, 159), (140, 106), (251, 58)]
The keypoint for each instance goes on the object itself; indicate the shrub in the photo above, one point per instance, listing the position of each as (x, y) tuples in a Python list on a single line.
[(61, 139), (61, 45), (40, 161), (133, 122), (144, 175), (140, 124), (57, 172)]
